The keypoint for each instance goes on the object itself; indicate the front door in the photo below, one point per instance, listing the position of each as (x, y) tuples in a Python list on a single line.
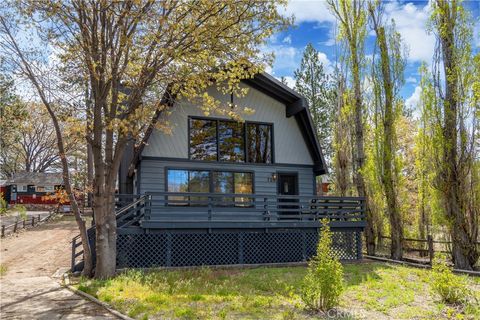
[(287, 186)]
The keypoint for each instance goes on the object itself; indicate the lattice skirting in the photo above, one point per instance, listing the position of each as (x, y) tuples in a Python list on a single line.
[(195, 249)]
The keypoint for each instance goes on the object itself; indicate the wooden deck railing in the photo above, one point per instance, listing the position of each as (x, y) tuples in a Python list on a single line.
[(208, 207)]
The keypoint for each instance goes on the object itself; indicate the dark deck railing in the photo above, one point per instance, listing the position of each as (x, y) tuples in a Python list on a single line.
[(200, 209)]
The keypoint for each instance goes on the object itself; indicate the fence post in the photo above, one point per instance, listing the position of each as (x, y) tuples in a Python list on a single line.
[(15, 226), (33, 221), (3, 230), (430, 247), (24, 223), (38, 220)]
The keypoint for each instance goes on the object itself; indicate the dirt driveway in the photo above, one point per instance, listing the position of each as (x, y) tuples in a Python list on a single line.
[(30, 289)]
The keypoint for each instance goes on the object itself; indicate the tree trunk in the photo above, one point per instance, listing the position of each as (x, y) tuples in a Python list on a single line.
[(359, 150), (89, 176), (106, 236)]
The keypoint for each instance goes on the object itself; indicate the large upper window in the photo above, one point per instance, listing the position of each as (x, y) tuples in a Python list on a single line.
[(230, 141), (259, 145), (203, 139), (220, 182)]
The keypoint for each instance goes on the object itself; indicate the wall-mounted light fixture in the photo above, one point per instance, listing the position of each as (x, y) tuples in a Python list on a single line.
[(273, 178)]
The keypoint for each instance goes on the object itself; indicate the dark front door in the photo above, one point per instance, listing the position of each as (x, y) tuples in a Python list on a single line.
[(287, 186)]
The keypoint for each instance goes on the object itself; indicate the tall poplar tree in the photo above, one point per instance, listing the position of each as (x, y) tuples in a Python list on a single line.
[(456, 104), (388, 76)]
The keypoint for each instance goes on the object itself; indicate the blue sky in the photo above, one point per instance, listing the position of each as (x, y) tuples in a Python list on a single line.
[(315, 24)]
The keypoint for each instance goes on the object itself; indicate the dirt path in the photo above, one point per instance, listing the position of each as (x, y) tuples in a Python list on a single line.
[(30, 289)]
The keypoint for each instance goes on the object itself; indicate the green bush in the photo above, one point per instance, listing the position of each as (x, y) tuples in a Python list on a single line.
[(3, 204), (451, 288), (22, 211), (323, 283)]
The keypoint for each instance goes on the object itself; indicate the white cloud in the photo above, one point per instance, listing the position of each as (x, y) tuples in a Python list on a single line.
[(412, 101), (327, 64), (309, 11), (411, 23), (411, 80), (287, 39)]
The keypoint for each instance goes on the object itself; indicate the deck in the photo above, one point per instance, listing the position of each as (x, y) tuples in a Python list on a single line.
[(191, 229)]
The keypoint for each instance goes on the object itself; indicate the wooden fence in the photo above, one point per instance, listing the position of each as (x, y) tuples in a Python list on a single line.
[(426, 248), (23, 224)]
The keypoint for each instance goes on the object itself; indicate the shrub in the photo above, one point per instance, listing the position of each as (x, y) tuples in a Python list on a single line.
[(3, 204), (451, 288), (22, 211), (323, 283)]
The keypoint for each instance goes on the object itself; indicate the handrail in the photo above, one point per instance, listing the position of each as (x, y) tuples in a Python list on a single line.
[(216, 207), (131, 205)]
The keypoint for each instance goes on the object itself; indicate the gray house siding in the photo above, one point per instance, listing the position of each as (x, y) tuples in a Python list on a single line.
[(152, 174), (152, 178), (289, 144)]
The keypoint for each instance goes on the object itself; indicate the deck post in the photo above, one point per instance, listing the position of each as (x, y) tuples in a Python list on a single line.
[(24, 223), (210, 208), (33, 221), (359, 245), (304, 246), (15, 226), (265, 210), (240, 248), (169, 250)]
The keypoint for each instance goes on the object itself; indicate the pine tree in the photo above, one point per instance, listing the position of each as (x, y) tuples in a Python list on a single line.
[(316, 86)]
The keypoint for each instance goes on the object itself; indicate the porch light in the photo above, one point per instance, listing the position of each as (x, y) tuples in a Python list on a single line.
[(274, 177)]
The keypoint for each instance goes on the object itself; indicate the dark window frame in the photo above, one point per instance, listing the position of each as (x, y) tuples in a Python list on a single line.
[(245, 144), (211, 182)]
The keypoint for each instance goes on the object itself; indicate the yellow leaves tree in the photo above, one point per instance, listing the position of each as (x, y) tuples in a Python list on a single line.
[(137, 58)]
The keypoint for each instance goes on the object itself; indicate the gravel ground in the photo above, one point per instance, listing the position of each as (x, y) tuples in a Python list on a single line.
[(30, 288)]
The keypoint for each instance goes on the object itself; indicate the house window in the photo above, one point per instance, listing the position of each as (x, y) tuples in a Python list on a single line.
[(40, 189), (22, 188), (203, 181), (203, 139), (230, 141), (259, 143), (49, 189)]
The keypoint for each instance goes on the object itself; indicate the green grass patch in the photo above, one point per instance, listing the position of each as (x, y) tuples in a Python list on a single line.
[(371, 290), (3, 270)]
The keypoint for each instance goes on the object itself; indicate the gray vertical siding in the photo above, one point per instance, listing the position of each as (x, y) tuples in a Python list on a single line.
[(290, 146), (152, 174)]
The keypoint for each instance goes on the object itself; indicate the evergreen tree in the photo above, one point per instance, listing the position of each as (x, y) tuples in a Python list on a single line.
[(316, 86)]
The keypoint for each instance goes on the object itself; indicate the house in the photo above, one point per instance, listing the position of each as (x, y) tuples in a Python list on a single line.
[(32, 187), (216, 191)]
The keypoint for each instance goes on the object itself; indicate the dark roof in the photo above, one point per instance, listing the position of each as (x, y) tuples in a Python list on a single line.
[(37, 178), (297, 106)]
